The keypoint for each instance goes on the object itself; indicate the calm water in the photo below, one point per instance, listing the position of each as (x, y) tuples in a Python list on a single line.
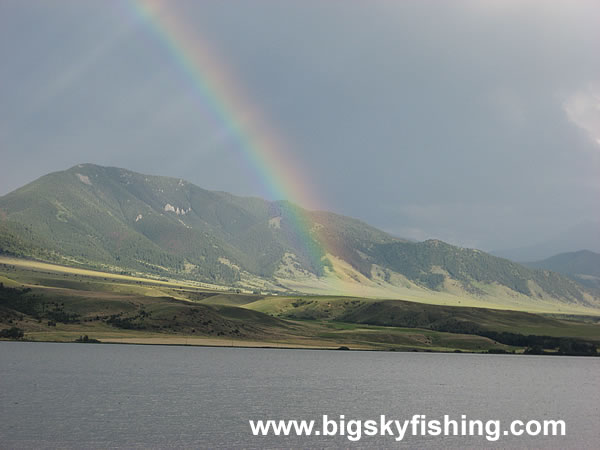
[(74, 395)]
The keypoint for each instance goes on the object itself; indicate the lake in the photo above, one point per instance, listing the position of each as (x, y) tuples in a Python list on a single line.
[(134, 396)]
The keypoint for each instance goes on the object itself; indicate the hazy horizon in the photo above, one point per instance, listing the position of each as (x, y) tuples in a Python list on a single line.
[(477, 124)]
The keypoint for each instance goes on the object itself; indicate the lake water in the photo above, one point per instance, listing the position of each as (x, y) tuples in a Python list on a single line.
[(99, 396)]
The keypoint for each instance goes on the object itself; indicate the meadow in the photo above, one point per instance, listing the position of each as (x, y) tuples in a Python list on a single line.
[(57, 303)]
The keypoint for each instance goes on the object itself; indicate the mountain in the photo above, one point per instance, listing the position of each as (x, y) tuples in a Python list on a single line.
[(121, 221), (582, 266), (583, 235), (114, 218)]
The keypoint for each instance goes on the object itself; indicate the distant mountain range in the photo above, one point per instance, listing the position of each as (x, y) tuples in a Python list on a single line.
[(582, 266), (118, 220), (585, 235)]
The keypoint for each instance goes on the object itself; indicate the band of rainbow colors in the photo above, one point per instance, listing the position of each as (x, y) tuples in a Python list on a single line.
[(219, 93)]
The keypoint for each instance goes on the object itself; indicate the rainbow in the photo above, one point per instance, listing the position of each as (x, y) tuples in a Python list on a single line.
[(223, 96)]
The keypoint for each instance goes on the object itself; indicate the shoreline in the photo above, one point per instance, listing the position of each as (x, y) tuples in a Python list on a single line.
[(274, 346)]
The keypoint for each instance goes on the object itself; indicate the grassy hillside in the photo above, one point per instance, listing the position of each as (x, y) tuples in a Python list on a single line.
[(109, 217), (129, 223), (56, 303), (398, 313), (417, 261)]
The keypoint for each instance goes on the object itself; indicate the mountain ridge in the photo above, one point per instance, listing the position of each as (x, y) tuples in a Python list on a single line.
[(120, 220), (580, 236), (582, 266)]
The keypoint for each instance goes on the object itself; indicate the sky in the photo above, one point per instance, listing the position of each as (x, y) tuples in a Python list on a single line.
[(474, 122)]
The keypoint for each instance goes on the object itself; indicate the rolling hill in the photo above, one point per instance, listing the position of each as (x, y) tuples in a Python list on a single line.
[(45, 302), (125, 222)]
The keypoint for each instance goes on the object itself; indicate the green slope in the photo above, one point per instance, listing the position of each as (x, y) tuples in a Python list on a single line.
[(416, 261), (114, 219), (103, 216), (50, 303)]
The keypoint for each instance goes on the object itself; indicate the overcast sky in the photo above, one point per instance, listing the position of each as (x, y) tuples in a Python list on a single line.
[(474, 122)]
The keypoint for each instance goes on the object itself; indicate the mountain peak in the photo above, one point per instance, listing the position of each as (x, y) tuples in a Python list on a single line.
[(116, 219)]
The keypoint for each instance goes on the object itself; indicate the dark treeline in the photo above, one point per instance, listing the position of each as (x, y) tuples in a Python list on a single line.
[(534, 344), (21, 300), (438, 321)]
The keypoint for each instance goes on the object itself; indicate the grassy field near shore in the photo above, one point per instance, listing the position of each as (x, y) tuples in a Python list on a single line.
[(53, 303)]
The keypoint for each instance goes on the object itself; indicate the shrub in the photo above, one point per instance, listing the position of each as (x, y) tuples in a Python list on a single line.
[(12, 333)]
